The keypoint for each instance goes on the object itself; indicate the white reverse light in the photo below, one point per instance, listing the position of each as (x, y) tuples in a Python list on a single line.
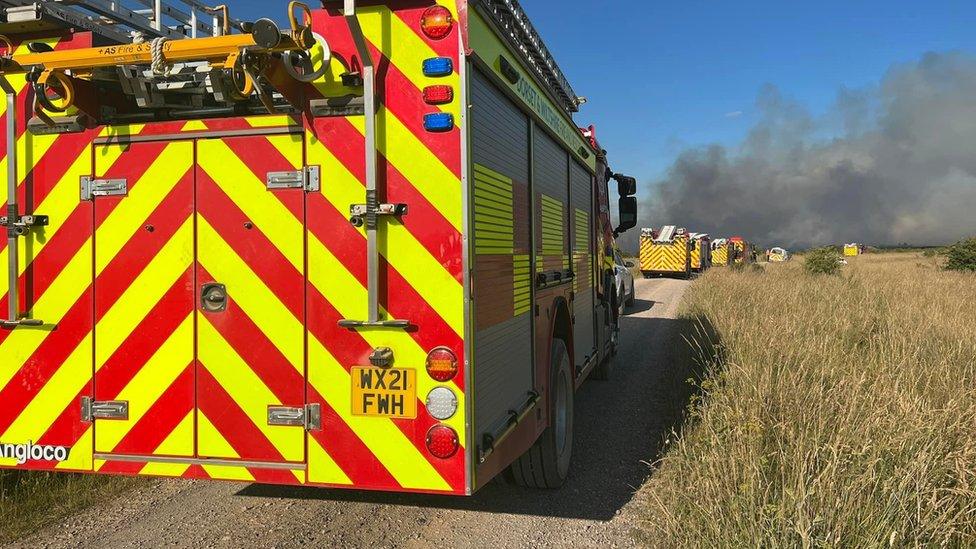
[(441, 403)]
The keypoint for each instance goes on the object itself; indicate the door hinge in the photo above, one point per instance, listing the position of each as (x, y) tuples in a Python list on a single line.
[(91, 187), (92, 409), (309, 416), (308, 178)]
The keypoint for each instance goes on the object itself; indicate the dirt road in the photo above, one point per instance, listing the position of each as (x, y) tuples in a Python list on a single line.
[(620, 425)]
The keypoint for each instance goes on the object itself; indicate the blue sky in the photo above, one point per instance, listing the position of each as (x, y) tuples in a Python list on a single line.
[(664, 75)]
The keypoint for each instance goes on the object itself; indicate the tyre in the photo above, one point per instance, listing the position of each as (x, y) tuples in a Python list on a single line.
[(602, 371), (631, 297), (546, 464)]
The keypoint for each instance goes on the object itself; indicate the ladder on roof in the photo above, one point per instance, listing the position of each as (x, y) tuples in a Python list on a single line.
[(119, 21), (668, 233), (514, 25)]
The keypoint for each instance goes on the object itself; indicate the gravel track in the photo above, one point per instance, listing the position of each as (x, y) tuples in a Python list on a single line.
[(619, 429)]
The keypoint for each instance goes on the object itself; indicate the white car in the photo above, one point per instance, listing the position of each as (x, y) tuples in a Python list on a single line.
[(625, 281)]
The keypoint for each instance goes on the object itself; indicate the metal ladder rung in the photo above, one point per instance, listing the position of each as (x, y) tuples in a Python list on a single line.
[(114, 19)]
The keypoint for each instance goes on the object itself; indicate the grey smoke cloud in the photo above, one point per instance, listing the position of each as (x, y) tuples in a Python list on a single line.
[(892, 163)]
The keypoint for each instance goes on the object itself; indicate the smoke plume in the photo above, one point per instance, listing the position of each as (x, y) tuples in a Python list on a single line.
[(893, 163)]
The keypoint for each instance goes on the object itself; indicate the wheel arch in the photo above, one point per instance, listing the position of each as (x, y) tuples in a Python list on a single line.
[(561, 327)]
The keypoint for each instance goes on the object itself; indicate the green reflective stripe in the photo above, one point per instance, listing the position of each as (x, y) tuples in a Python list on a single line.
[(494, 213), (521, 265), (553, 225)]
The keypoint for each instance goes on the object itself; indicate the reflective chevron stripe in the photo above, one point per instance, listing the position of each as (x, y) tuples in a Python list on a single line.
[(665, 257), (121, 278), (720, 256)]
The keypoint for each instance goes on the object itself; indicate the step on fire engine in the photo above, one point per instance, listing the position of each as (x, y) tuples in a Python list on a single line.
[(370, 249)]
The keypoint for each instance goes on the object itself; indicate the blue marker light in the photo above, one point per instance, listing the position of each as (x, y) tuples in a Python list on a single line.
[(439, 122), (438, 66)]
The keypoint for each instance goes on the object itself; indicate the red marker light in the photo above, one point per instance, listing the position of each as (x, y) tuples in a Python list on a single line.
[(438, 95), (442, 441), (437, 22), (442, 364)]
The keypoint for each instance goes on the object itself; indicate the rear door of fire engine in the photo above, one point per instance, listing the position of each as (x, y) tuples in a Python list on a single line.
[(210, 342)]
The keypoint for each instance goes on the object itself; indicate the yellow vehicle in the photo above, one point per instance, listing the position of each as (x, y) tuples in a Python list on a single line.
[(853, 250), (778, 255), (720, 252), (701, 252), (366, 250), (743, 251), (666, 252)]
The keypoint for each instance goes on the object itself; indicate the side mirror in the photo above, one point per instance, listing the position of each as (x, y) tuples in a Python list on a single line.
[(628, 214), (626, 185)]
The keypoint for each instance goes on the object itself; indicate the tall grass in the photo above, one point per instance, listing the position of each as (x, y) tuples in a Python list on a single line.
[(842, 412)]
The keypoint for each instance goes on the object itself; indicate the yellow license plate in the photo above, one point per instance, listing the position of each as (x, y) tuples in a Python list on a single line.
[(384, 392)]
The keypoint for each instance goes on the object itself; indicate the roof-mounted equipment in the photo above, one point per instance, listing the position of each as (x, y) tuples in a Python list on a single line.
[(167, 78), (514, 25)]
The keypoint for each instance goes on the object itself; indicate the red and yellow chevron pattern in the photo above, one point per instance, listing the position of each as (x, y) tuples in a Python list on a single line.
[(667, 257), (696, 255), (118, 282), (720, 256)]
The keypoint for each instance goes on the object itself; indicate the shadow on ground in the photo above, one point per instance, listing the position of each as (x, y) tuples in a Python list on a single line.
[(621, 428), (639, 306)]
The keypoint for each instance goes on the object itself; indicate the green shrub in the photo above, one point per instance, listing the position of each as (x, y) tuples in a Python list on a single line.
[(962, 256), (823, 261)]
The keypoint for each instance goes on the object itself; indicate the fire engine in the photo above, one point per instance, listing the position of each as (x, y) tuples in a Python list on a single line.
[(666, 252), (743, 251), (367, 249), (701, 252), (720, 252)]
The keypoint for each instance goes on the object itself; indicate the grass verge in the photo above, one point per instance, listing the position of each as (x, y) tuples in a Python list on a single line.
[(842, 411), (32, 500)]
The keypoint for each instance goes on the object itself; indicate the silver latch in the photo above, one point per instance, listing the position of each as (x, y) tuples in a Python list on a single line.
[(308, 178), (309, 417), (92, 409), (367, 215), (91, 187), (22, 226)]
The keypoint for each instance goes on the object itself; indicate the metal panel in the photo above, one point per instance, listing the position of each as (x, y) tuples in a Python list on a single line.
[(502, 371), (499, 131), (502, 363), (584, 312), (550, 164), (144, 300), (250, 352), (550, 183)]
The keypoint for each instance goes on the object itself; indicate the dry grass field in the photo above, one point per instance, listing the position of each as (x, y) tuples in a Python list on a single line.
[(840, 412)]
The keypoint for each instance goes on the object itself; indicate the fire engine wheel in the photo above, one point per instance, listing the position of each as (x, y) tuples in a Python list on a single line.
[(546, 464), (603, 370)]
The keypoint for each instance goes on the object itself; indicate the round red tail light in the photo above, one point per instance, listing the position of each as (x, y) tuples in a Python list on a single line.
[(442, 441), (442, 364), (437, 22)]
